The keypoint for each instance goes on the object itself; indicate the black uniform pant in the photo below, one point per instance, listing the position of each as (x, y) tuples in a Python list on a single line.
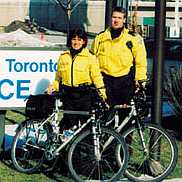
[(75, 99), (119, 90)]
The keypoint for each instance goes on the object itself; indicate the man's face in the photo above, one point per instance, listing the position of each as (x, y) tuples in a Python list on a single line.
[(118, 20)]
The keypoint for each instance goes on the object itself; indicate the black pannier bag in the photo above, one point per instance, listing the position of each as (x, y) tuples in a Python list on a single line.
[(39, 106)]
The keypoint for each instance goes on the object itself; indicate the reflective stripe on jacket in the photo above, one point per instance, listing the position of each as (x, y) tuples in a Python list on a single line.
[(83, 68), (116, 58)]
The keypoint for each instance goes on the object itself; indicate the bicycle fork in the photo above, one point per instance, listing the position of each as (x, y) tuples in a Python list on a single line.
[(146, 152), (96, 132)]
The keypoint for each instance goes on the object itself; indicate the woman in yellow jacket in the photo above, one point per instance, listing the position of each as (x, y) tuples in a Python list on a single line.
[(77, 68)]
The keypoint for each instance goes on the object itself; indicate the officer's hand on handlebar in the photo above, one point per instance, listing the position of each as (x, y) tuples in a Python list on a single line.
[(140, 85), (107, 105), (50, 89)]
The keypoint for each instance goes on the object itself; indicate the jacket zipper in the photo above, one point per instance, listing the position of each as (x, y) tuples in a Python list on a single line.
[(73, 59)]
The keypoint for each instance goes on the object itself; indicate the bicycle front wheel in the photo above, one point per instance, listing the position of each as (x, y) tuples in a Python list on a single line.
[(28, 147), (90, 162), (152, 159)]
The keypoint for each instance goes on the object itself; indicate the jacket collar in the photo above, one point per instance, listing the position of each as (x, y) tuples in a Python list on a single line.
[(107, 34), (84, 52)]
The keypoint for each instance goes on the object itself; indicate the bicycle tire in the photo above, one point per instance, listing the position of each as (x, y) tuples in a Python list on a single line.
[(27, 151), (82, 162), (160, 160)]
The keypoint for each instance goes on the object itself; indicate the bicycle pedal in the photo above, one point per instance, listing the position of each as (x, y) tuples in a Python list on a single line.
[(49, 170)]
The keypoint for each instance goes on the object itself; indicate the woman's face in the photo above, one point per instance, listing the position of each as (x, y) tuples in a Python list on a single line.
[(77, 43)]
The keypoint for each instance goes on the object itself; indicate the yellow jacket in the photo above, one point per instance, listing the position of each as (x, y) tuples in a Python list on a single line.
[(83, 68), (116, 58)]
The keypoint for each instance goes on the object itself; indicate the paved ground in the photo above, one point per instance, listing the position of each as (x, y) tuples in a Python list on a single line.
[(173, 180), (167, 180)]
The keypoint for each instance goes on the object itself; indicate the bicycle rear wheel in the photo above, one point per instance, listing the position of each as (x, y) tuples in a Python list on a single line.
[(28, 147), (84, 163), (159, 159)]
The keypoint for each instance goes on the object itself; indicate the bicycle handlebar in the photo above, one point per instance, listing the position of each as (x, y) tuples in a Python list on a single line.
[(140, 84), (122, 106)]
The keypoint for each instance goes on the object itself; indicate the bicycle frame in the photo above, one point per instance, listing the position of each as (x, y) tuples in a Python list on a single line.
[(91, 119), (56, 152), (127, 118), (119, 128)]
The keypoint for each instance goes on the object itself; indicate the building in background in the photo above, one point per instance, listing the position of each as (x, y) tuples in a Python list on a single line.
[(146, 17), (49, 14), (89, 14)]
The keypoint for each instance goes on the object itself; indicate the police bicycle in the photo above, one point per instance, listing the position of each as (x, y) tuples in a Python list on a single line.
[(153, 152), (90, 157)]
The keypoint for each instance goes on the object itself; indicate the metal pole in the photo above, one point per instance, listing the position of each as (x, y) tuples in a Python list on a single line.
[(160, 15), (108, 11), (125, 5)]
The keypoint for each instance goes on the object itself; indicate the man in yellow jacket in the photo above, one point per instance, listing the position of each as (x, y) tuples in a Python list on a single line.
[(119, 51)]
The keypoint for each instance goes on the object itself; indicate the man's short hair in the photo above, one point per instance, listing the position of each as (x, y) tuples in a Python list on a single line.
[(119, 9)]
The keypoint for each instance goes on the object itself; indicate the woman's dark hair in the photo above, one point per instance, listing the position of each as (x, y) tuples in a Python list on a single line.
[(77, 32)]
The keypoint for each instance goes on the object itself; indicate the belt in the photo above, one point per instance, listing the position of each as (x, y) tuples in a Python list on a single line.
[(114, 78), (80, 87), (83, 85)]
